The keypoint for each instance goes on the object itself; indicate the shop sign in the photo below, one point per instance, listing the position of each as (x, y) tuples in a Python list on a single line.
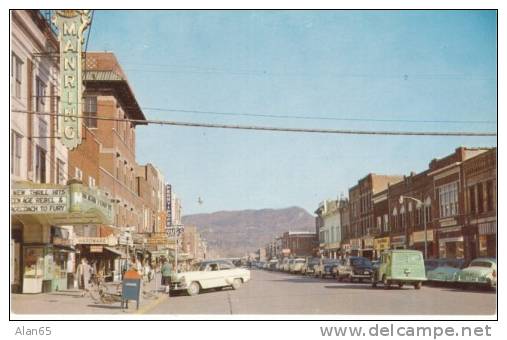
[(448, 222), (71, 25), (39, 201), (451, 239), (398, 239), (381, 243), (286, 251), (110, 240), (450, 230), (346, 246), (61, 241), (96, 249), (92, 199), (368, 242), (168, 205), (418, 236), (355, 244), (175, 230)]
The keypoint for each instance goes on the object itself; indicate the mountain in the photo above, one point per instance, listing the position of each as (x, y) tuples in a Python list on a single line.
[(235, 233)]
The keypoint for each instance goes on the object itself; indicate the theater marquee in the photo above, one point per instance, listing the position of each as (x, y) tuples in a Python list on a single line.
[(71, 25)]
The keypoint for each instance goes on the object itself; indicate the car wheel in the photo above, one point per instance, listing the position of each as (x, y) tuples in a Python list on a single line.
[(418, 285), (338, 277), (386, 282), (400, 285), (193, 289), (373, 282), (236, 284)]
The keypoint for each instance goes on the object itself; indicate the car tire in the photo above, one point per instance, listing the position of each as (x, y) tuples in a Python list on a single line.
[(418, 285), (400, 285), (236, 284), (386, 282), (193, 289), (373, 282)]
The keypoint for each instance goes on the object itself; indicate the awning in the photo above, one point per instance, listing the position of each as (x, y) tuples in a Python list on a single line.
[(115, 251)]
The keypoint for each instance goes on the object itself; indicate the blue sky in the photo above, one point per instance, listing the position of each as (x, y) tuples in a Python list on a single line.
[(408, 65)]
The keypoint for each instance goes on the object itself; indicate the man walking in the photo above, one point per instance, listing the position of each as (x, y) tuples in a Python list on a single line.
[(166, 271)]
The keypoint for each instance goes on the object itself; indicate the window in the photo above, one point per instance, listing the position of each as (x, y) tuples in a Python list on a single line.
[(40, 91), (78, 174), (40, 164), (16, 74), (91, 181), (490, 196), (16, 139), (386, 222), (480, 198), (448, 197), (471, 199), (90, 109), (60, 171)]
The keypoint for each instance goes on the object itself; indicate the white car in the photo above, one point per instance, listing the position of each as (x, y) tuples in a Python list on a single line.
[(210, 274), (297, 265)]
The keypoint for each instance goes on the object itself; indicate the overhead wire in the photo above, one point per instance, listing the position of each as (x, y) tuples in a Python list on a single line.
[(272, 128)]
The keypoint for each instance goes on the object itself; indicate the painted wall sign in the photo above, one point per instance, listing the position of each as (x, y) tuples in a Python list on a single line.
[(71, 25), (39, 201), (168, 203)]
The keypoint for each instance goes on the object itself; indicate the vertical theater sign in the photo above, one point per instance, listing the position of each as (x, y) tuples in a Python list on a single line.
[(71, 26)]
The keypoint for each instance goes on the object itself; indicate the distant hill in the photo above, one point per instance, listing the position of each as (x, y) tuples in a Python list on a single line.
[(234, 233)]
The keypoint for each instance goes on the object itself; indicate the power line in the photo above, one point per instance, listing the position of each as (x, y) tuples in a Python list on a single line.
[(275, 129), (304, 117)]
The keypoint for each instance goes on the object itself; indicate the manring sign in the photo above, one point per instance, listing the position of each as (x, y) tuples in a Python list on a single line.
[(71, 25)]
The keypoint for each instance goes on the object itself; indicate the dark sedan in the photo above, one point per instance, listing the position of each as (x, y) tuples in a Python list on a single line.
[(355, 268)]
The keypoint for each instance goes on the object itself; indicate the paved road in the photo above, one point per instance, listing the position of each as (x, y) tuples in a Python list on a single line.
[(280, 293)]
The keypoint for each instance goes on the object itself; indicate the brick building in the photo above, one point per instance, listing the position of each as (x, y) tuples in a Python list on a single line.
[(361, 211), (299, 244), (480, 183)]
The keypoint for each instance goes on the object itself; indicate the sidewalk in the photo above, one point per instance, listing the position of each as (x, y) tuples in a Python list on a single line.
[(72, 302)]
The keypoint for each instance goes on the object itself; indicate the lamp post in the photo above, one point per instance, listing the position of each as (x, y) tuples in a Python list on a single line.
[(424, 221)]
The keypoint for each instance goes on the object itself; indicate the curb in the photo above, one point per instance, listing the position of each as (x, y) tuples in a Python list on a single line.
[(152, 305)]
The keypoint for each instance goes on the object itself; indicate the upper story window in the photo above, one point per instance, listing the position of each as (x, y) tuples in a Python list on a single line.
[(40, 165), (60, 171), (448, 198), (90, 110), (16, 139), (40, 95), (16, 75)]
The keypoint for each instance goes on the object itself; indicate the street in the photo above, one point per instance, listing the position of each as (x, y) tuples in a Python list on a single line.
[(282, 293)]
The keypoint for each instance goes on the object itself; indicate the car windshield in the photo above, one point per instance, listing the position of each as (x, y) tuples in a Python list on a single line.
[(201, 266), (484, 264), (455, 263), (360, 261), (430, 264)]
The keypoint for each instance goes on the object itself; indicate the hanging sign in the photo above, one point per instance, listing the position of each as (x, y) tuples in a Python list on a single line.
[(71, 25)]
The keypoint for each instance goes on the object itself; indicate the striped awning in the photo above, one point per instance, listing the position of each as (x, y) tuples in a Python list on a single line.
[(488, 228)]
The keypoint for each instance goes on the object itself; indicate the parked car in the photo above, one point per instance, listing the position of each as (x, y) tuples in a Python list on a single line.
[(286, 265), (400, 267), (209, 274), (481, 271), (431, 264), (319, 269), (355, 268), (331, 268), (272, 264), (446, 270), (296, 265), (375, 264), (309, 265)]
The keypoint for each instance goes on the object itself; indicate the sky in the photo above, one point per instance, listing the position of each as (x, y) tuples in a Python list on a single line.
[(398, 66)]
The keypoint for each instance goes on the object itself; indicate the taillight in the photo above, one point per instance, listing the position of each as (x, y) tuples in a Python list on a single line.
[(494, 273)]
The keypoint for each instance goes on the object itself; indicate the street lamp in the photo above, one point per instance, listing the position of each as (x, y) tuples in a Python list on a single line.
[(419, 202)]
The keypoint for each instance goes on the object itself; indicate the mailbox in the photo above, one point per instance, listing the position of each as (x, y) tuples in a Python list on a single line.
[(131, 289)]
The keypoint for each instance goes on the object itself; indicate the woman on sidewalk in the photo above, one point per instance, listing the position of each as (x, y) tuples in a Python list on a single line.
[(166, 271)]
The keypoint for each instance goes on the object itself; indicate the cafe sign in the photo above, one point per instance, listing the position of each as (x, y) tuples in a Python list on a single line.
[(71, 26), (39, 201)]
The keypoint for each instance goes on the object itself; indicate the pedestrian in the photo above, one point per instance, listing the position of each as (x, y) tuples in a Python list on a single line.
[(83, 273), (146, 271), (166, 275)]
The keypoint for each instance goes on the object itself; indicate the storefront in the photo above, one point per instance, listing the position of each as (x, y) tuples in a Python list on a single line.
[(451, 243), (417, 241), (381, 244), (102, 254), (399, 242), (487, 239), (355, 246), (367, 250), (42, 216)]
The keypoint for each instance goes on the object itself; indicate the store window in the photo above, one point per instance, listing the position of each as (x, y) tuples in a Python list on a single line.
[(452, 248)]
